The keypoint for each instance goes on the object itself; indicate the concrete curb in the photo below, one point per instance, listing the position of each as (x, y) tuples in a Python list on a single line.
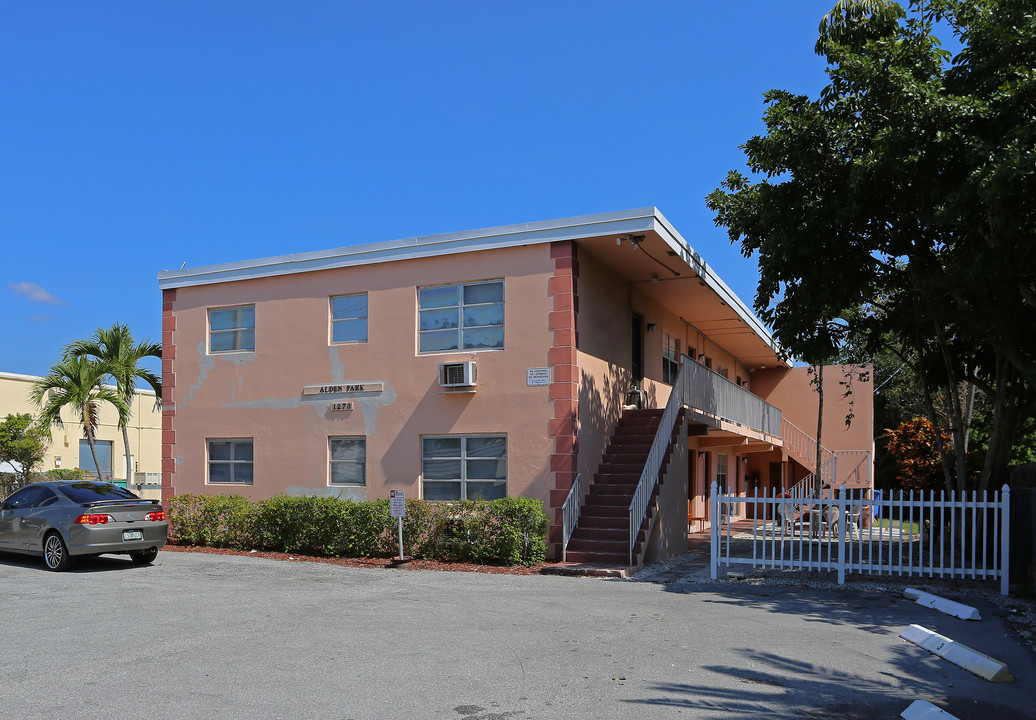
[(961, 655), (924, 710), (956, 609)]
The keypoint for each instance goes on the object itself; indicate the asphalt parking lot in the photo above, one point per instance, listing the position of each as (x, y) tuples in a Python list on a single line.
[(235, 637)]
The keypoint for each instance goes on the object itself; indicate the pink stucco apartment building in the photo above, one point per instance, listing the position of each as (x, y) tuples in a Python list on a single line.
[(489, 363)]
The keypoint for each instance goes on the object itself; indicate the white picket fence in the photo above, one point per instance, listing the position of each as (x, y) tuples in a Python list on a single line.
[(923, 534)]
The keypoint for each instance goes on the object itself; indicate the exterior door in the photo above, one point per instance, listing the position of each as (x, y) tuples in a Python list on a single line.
[(707, 474), (637, 345)]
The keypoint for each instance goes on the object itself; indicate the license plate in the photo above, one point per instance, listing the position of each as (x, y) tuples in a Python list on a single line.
[(132, 535)]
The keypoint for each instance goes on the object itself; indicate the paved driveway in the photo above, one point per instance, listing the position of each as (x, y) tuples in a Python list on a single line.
[(236, 637)]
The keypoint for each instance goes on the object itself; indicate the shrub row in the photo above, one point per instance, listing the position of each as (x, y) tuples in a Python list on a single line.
[(508, 531)]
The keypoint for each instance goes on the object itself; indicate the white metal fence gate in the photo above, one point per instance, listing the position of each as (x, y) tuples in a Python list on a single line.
[(924, 534)]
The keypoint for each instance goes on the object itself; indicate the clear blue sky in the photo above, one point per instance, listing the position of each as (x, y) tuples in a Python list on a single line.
[(137, 136)]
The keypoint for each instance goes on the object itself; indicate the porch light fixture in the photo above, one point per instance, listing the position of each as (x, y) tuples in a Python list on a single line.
[(701, 454), (634, 240), (651, 327), (701, 357)]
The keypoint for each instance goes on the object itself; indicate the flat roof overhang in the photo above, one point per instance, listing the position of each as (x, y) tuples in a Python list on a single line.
[(664, 266)]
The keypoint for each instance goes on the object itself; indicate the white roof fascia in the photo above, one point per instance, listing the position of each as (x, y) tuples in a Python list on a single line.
[(574, 228), (34, 378), (17, 376)]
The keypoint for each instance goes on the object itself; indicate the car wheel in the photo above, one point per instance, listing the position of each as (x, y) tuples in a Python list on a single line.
[(55, 554), (143, 557)]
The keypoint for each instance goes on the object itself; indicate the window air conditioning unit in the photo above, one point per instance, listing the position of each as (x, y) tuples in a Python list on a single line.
[(456, 375)]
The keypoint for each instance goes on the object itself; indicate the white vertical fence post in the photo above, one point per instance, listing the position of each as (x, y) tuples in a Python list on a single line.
[(842, 522), (1005, 540), (714, 530)]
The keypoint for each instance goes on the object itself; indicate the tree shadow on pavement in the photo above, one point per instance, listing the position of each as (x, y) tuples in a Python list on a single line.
[(768, 685), (871, 610)]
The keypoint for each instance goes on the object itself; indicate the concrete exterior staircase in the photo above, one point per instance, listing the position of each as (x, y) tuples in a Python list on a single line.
[(602, 536)]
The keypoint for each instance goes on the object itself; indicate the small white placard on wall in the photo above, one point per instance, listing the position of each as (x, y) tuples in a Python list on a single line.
[(537, 376)]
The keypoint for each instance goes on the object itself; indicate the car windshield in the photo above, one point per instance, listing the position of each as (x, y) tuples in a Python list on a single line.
[(86, 492)]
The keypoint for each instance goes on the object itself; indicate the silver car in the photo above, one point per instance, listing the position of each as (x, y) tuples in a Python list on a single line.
[(63, 519)]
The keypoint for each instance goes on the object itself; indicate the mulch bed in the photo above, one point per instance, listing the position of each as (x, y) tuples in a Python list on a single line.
[(374, 563)]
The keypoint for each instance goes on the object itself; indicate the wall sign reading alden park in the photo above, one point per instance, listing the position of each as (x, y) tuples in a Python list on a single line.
[(342, 388)]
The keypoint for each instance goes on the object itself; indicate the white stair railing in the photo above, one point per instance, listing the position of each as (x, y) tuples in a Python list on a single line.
[(659, 446), (569, 516)]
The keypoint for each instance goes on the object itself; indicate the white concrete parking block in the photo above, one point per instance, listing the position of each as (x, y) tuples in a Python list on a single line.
[(924, 710), (971, 660), (956, 609)]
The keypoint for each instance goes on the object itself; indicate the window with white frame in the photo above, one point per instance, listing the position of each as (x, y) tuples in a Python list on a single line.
[(232, 329), (348, 460), (230, 461), (670, 358), (461, 317), (464, 467), (349, 318), (721, 471)]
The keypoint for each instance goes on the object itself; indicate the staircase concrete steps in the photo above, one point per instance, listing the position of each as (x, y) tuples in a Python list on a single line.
[(633, 444), (608, 512), (616, 534), (622, 500), (599, 545), (625, 465), (617, 479), (614, 488), (592, 558), (602, 537)]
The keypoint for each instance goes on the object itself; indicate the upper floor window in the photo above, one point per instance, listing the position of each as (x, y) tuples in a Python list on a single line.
[(349, 318), (461, 317), (670, 358), (232, 329)]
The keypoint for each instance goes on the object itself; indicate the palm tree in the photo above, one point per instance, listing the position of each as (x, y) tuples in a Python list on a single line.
[(114, 347), (78, 384)]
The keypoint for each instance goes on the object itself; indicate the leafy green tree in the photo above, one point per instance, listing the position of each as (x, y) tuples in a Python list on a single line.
[(77, 383), (122, 356), (898, 206), (24, 443)]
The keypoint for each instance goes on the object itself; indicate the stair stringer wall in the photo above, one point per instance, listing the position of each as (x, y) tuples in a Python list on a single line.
[(667, 534)]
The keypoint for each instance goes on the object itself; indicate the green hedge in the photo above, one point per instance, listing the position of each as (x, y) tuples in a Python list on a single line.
[(509, 531)]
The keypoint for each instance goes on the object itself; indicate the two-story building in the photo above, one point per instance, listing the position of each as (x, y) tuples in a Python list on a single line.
[(483, 364)]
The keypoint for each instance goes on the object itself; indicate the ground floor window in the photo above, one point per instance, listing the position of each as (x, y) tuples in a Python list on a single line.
[(721, 470), (230, 461), (464, 467), (104, 457), (348, 459)]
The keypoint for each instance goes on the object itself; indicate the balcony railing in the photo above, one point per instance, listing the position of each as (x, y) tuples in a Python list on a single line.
[(706, 393), (709, 393)]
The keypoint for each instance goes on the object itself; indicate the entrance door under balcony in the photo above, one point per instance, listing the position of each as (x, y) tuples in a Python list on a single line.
[(637, 346)]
